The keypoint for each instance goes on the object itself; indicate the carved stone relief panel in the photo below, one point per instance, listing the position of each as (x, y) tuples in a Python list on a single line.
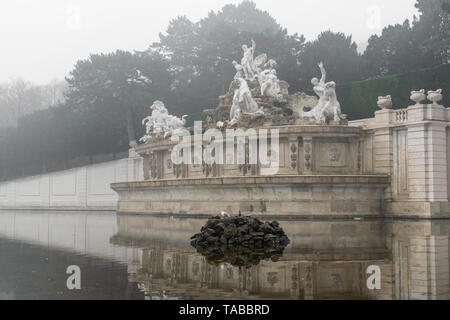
[(332, 154)]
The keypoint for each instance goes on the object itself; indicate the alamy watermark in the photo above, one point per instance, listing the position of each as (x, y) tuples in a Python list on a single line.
[(232, 147), (73, 20), (74, 280), (373, 17), (374, 280)]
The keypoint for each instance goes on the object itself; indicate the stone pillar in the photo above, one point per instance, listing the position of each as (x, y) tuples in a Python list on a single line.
[(308, 154), (383, 154), (422, 271), (146, 166), (294, 154), (427, 158), (82, 186), (133, 165)]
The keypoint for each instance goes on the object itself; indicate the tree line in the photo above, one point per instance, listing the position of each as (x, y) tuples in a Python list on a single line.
[(191, 65), (19, 97)]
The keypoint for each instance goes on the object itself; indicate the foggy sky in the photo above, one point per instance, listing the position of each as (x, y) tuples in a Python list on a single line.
[(42, 39)]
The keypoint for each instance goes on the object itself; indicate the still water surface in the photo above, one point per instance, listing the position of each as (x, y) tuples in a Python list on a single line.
[(147, 257)]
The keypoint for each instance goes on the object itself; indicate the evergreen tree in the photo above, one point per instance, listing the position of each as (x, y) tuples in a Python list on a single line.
[(433, 30), (119, 83), (394, 51), (338, 53)]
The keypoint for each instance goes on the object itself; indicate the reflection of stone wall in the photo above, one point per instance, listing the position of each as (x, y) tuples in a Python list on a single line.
[(421, 254), (189, 276), (325, 259)]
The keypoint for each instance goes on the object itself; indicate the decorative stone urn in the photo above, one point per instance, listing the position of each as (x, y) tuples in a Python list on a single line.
[(435, 96), (384, 102), (418, 96)]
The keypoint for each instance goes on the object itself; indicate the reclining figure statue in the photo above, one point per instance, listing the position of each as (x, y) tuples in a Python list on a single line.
[(161, 123)]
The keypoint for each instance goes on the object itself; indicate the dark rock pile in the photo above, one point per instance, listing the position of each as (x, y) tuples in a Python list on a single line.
[(240, 241)]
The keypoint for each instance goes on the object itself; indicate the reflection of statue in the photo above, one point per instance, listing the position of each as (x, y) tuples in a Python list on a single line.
[(328, 107), (161, 123), (242, 101)]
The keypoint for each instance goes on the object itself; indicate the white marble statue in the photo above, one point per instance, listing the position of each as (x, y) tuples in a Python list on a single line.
[(328, 107), (259, 68), (239, 70), (243, 102), (247, 61), (332, 108), (269, 82), (251, 67), (161, 123)]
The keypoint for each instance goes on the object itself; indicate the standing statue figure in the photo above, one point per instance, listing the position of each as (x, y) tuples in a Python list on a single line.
[(243, 102), (319, 89), (247, 61), (328, 107)]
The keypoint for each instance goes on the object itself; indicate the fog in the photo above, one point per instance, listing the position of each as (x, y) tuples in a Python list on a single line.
[(41, 40)]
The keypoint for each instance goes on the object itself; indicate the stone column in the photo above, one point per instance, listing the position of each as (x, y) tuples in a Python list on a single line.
[(81, 186), (293, 152), (383, 154), (146, 166), (308, 154), (427, 157), (133, 165)]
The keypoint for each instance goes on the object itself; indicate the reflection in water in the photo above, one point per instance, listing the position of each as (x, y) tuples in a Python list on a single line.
[(132, 256)]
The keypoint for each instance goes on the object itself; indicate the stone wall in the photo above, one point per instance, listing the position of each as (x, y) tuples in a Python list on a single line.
[(292, 195), (79, 188), (411, 145)]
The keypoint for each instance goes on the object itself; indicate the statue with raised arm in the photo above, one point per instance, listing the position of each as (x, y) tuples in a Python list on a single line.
[(328, 107), (319, 89), (247, 61)]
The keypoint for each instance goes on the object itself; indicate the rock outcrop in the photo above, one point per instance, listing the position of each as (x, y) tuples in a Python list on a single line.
[(240, 241)]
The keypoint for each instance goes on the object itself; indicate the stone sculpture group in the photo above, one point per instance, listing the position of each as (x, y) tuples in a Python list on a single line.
[(257, 93), (161, 123), (263, 70), (328, 107)]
